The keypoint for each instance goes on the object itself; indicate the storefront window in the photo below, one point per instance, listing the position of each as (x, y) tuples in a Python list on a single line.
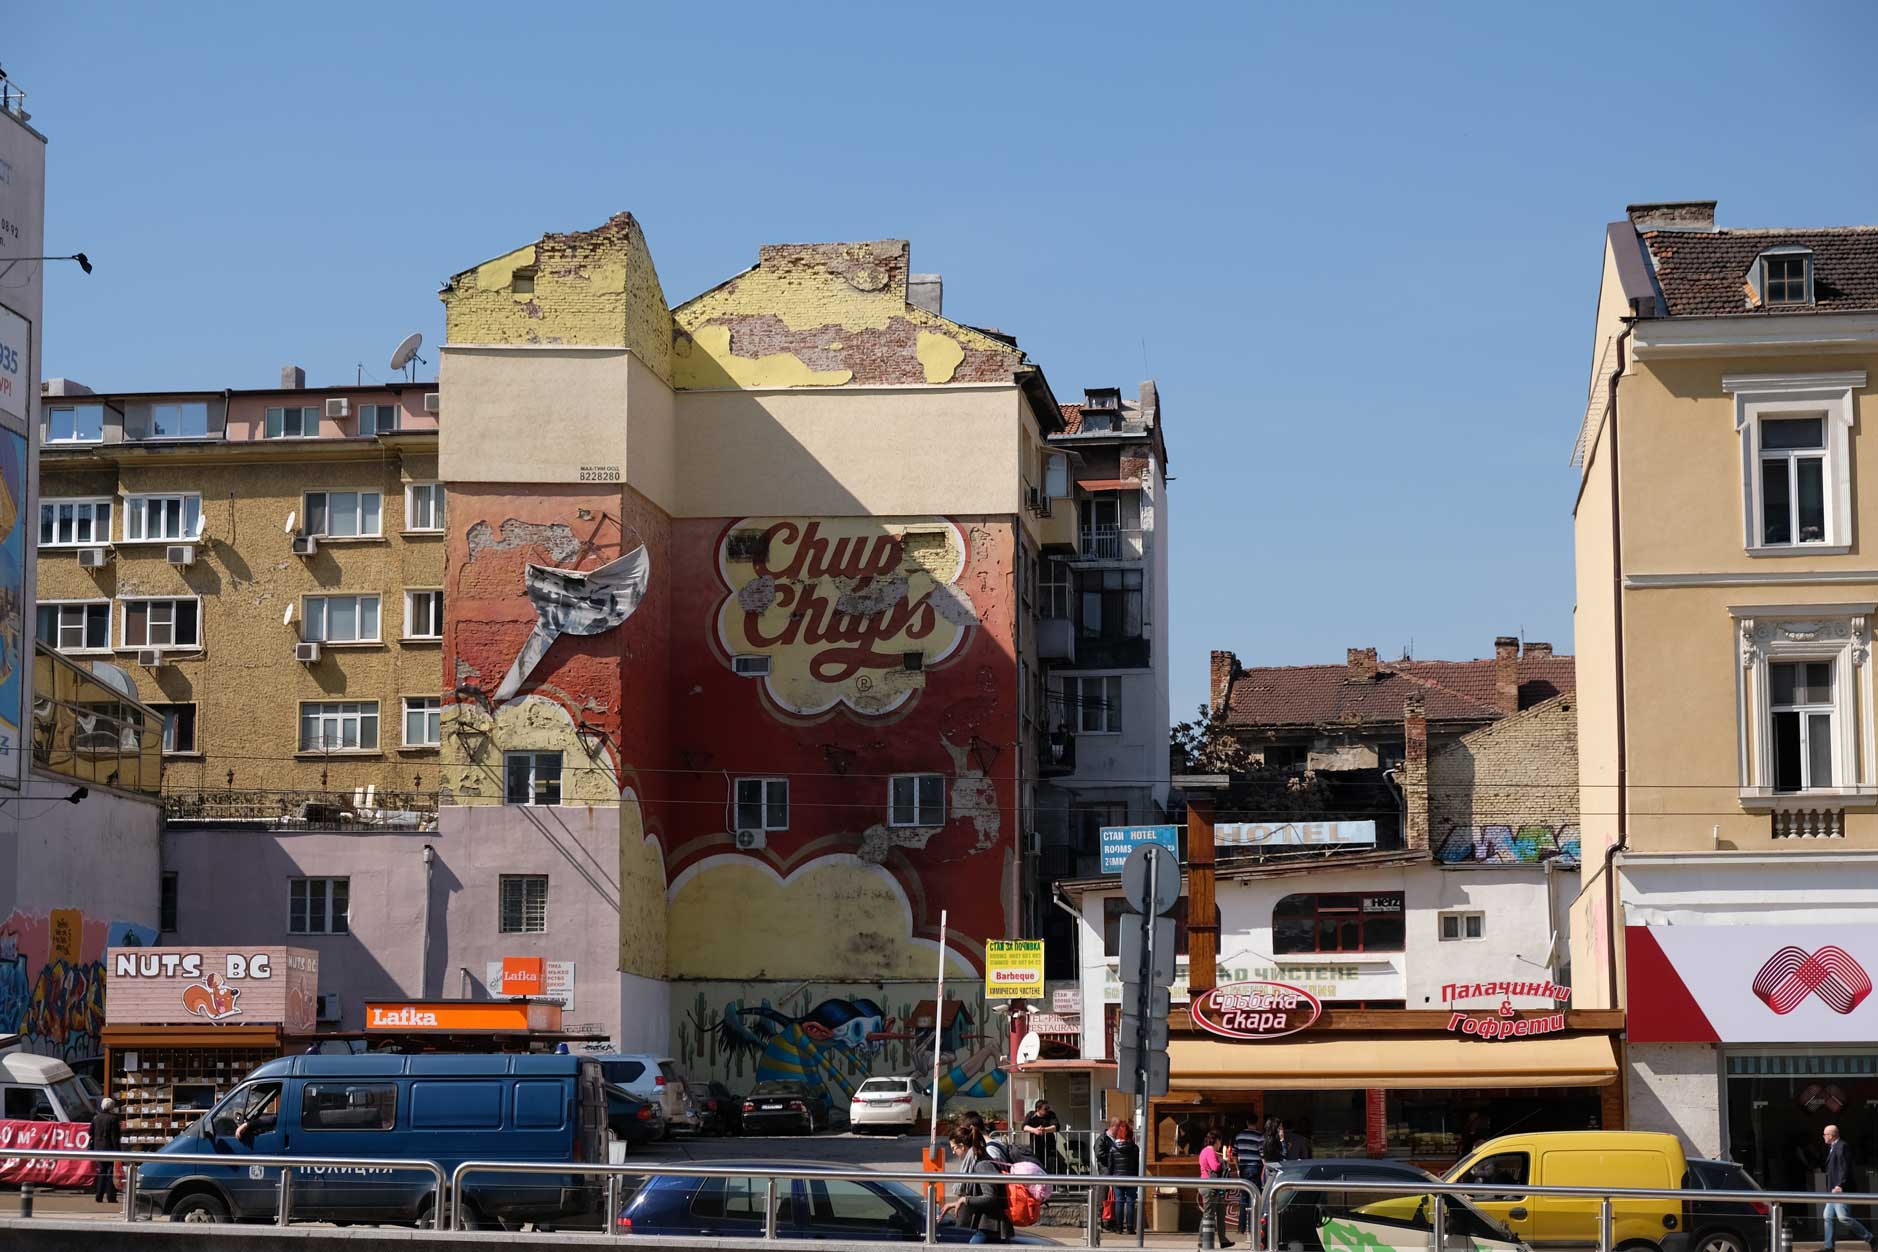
[(1338, 922), (1444, 1126), (1779, 1105)]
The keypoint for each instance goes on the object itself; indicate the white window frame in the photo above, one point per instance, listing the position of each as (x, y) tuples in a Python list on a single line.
[(101, 536), (320, 633), (341, 710), (770, 794), (1460, 918), (329, 914), (432, 708), (162, 709), (1760, 396), (410, 614), (1076, 703), (151, 419), (123, 624), (103, 648), (437, 507), (136, 510), (368, 413), (73, 409), (900, 817), (284, 409), (535, 788), (325, 532), (1838, 634)]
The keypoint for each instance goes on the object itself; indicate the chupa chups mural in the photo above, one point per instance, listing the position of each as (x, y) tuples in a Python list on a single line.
[(1531, 843), (52, 978)]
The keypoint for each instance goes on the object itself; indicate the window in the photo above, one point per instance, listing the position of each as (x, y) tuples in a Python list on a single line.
[(349, 1106), (161, 624), (317, 906), (423, 615), (378, 419), (1500, 1169), (762, 804), (1113, 910), (1094, 705), (1802, 741), (75, 423), (423, 506), (1338, 922), (1796, 472), (166, 903), (916, 800), (28, 1104), (1102, 527), (344, 514), (76, 627), (1458, 926), (1786, 278), (1111, 604), (179, 728), (339, 726), (423, 721), (74, 523), (157, 518), (739, 1200), (1055, 590), (179, 419), (532, 777), (341, 619), (524, 904), (292, 423)]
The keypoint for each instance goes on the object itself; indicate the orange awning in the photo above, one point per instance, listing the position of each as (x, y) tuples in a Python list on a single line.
[(1109, 484), (1343, 1064)]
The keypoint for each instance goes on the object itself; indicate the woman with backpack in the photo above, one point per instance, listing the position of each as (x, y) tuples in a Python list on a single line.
[(1124, 1161), (981, 1206)]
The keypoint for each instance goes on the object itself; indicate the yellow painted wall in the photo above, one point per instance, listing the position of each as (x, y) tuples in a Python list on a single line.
[(642, 932), (532, 723)]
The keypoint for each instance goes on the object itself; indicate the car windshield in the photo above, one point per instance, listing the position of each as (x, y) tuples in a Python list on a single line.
[(1721, 1176), (778, 1089), (75, 1099)]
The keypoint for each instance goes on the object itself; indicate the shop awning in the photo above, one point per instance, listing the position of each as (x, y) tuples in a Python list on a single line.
[(1568, 1061), (1109, 484)]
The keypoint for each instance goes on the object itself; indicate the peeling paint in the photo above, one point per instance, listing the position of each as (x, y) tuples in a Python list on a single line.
[(939, 356), (757, 595), (556, 538), (705, 360), (869, 596), (974, 796)]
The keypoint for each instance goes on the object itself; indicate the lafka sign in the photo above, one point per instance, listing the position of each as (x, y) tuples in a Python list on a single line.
[(844, 610), (1256, 1010)]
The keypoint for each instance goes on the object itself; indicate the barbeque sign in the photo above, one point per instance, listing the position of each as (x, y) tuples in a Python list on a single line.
[(1256, 1010)]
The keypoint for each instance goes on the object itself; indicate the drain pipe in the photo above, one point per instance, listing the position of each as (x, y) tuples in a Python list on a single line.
[(1613, 901), (423, 971)]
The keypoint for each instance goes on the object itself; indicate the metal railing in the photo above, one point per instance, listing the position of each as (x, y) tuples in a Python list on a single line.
[(283, 1187), (1278, 1188)]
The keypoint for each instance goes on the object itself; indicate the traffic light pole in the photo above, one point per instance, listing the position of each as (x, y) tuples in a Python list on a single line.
[(1145, 980)]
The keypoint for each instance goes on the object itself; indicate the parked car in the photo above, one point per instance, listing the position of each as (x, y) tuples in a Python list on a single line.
[(719, 1110), (42, 1089), (812, 1208), (440, 1107), (632, 1119), (1297, 1217), (1723, 1225), (890, 1102), (785, 1106), (652, 1078)]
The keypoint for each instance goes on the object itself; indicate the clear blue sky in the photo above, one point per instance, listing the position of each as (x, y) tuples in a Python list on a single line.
[(1360, 244)]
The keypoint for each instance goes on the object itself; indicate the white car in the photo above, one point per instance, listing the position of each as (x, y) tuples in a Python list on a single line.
[(655, 1079), (884, 1102)]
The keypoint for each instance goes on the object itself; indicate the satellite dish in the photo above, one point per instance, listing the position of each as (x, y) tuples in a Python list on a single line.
[(407, 351), (286, 617), (1029, 1048), (292, 517)]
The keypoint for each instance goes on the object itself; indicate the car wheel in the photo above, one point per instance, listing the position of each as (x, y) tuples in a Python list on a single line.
[(199, 1208), (1719, 1241)]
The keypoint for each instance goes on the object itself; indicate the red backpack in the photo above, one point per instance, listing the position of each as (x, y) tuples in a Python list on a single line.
[(1021, 1203)]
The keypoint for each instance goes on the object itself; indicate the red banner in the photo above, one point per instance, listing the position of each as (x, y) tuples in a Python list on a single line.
[(67, 1136)]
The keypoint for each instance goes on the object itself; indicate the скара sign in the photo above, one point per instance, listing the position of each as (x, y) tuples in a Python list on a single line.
[(1256, 1010)]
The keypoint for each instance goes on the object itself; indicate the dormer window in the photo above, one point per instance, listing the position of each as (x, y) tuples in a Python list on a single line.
[(1786, 277)]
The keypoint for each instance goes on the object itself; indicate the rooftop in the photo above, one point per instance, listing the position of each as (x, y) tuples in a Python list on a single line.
[(1705, 271), (1451, 691)]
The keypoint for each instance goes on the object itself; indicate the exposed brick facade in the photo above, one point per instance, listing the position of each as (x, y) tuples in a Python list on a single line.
[(1508, 791)]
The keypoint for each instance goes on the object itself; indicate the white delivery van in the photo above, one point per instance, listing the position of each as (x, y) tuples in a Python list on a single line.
[(42, 1089)]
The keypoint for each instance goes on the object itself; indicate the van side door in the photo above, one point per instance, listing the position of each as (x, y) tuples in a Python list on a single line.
[(250, 1122), (1512, 1208), (353, 1117)]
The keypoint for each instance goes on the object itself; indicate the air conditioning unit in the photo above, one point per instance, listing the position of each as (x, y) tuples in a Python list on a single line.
[(150, 658), (339, 406), (431, 402), (180, 554), (305, 544), (750, 666), (1033, 500), (752, 840), (92, 558), (307, 652), (327, 1009)]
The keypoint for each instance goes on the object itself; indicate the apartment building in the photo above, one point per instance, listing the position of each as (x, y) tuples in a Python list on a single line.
[(1727, 745)]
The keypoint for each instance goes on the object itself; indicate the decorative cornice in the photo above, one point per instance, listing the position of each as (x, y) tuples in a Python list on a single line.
[(1837, 381), (1751, 578)]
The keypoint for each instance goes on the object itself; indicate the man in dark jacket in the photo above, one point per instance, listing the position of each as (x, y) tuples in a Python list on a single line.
[(1838, 1180), (106, 1135)]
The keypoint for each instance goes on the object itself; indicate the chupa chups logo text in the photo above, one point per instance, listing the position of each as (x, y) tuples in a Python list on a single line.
[(1256, 1010), (1832, 974)]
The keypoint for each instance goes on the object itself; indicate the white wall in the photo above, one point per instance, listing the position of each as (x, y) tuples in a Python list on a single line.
[(1677, 1087)]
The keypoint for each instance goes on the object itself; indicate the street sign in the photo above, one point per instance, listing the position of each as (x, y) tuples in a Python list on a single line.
[(1128, 1061), (1119, 841), (1013, 969), (1151, 867), (1156, 1031), (1155, 1005), (1134, 934)]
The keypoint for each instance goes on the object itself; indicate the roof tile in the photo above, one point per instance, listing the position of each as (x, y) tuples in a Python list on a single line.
[(1309, 695)]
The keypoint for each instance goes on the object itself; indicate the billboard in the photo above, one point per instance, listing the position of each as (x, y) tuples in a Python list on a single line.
[(1014, 969), (226, 986), (22, 235)]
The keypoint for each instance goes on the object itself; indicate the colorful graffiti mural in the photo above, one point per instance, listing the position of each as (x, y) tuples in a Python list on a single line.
[(1529, 844), (52, 978)]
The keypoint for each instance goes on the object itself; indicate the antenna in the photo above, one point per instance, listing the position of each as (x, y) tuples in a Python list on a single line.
[(407, 353), (286, 618), (292, 516)]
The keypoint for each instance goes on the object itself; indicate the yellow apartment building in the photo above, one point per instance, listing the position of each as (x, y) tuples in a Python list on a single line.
[(267, 567), (1727, 583)]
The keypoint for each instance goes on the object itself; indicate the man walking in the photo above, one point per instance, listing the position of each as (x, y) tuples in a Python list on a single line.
[(1838, 1178), (1248, 1148), (106, 1135)]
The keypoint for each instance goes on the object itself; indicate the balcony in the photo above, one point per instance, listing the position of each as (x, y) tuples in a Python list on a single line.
[(1057, 532), (1056, 753), (1104, 652), (1111, 543), (1056, 640)]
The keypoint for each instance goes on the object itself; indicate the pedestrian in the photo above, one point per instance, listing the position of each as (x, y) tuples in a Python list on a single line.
[(993, 1148), (1298, 1142), (1043, 1127), (982, 1207), (1124, 1162), (1213, 1199), (107, 1134), (1274, 1141), (1838, 1178), (1103, 1150), (1248, 1149)]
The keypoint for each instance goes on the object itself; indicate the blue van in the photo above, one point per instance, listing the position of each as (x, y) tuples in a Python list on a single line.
[(440, 1107)]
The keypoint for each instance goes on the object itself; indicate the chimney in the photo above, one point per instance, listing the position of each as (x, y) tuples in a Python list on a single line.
[(1506, 674), (1150, 404), (1225, 669), (292, 378), (1673, 215), (1537, 649), (1359, 665), (1414, 776), (926, 291)]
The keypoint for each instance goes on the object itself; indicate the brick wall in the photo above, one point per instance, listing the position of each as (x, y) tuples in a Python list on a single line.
[(1509, 791)]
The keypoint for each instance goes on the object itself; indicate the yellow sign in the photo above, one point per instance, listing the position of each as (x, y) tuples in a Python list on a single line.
[(1013, 969), (68, 935)]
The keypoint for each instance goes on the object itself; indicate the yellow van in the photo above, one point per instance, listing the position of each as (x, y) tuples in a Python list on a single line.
[(1581, 1158)]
